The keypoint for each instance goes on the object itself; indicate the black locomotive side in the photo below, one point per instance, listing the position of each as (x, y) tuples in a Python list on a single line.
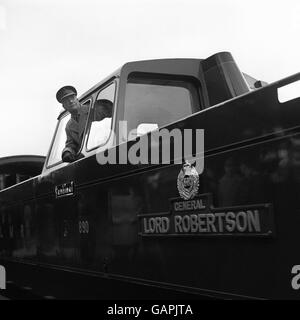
[(90, 219)]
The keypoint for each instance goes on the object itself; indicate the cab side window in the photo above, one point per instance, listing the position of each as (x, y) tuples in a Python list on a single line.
[(60, 139), (153, 101), (100, 120)]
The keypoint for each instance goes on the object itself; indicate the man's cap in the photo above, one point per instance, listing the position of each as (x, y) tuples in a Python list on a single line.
[(65, 92)]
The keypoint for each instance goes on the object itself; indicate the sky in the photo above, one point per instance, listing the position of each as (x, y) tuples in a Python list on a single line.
[(46, 44)]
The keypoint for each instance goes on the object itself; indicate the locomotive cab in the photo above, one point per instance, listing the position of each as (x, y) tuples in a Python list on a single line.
[(150, 95)]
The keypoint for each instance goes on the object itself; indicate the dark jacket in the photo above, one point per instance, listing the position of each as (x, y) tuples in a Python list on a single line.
[(75, 129)]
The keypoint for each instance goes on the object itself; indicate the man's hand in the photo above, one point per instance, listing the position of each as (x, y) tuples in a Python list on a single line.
[(68, 156)]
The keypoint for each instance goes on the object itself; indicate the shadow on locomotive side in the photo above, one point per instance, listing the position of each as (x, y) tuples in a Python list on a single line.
[(229, 231)]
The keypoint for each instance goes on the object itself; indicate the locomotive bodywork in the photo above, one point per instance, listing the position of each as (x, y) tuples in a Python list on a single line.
[(96, 219)]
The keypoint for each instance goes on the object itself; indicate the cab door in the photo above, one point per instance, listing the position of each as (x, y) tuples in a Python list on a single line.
[(57, 204), (93, 193)]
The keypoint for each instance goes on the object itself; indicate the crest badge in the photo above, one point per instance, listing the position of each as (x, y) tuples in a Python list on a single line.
[(188, 181)]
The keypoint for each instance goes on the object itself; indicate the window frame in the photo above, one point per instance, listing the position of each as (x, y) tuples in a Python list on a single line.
[(197, 102), (61, 116), (88, 129)]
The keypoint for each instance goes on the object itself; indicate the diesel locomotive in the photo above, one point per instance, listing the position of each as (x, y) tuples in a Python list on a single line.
[(228, 230)]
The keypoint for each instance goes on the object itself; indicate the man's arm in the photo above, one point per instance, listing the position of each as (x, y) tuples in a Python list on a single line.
[(71, 146)]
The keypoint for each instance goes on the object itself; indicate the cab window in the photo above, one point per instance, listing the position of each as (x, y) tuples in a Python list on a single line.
[(60, 139), (100, 119), (154, 101)]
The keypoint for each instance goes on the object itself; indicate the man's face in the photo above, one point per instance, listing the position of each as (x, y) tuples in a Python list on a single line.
[(71, 103)]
